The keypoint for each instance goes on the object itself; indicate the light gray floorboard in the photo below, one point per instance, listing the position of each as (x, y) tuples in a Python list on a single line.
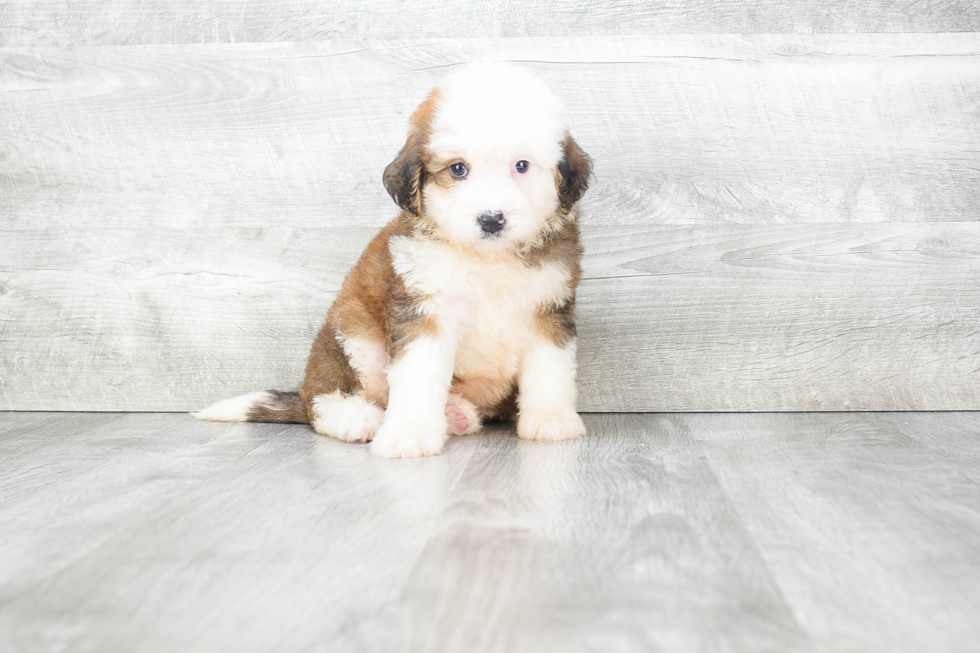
[(290, 542), (27, 432), (873, 538), (623, 541), (793, 532), (955, 435), (18, 424), (81, 484)]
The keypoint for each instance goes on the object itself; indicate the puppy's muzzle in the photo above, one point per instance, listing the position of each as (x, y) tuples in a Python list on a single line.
[(492, 222)]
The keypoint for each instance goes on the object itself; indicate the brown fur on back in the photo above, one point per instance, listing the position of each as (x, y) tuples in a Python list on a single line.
[(373, 304), (358, 311)]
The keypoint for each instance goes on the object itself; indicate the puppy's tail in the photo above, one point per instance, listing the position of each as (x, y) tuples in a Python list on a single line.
[(267, 406)]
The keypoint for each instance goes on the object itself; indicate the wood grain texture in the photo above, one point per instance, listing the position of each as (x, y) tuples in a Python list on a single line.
[(871, 536), (273, 530), (954, 435), (76, 481), (762, 129), (770, 321), (778, 222), (125, 22), (723, 317), (631, 519), (738, 533)]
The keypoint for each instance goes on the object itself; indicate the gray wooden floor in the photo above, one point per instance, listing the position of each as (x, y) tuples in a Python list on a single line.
[(695, 532)]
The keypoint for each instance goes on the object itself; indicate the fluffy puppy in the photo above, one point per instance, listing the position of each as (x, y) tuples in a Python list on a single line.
[(461, 309)]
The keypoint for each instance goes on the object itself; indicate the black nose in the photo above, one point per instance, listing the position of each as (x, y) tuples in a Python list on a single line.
[(491, 221)]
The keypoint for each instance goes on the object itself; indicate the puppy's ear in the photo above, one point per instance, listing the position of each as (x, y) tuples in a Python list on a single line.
[(404, 176), (573, 173)]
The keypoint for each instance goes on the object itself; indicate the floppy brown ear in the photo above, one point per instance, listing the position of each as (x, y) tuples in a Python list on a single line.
[(573, 173), (404, 176)]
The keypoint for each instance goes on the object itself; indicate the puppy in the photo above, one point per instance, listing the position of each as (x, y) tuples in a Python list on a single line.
[(461, 309)]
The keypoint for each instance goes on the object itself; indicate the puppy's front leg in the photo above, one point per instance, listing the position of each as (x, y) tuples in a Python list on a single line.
[(547, 393), (418, 386)]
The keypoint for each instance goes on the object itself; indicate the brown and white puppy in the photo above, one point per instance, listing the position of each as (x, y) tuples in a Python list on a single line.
[(461, 309)]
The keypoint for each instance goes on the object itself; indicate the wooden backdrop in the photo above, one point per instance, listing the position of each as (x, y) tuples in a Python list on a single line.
[(786, 213)]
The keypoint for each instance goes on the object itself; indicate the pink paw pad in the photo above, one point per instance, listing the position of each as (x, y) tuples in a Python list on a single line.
[(462, 420)]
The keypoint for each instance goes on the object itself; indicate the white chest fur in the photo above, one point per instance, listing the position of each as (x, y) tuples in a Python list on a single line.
[(487, 302)]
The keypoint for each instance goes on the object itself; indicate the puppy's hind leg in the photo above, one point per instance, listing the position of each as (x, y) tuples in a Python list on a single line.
[(345, 386), (350, 418), (473, 400)]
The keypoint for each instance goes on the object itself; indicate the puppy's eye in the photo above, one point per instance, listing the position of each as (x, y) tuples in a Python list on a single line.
[(522, 166), (458, 170)]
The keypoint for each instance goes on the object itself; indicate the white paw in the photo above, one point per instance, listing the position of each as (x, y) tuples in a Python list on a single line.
[(550, 426), (401, 438), (351, 419), (461, 416)]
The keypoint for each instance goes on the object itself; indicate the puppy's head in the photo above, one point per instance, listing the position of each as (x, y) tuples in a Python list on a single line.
[(489, 163)]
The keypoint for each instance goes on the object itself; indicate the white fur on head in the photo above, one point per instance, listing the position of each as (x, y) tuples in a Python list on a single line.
[(498, 107), (489, 117)]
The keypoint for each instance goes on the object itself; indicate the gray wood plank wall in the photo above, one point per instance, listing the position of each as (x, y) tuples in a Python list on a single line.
[(779, 221), (129, 22)]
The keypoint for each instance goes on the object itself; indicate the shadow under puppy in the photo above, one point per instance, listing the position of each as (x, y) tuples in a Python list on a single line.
[(461, 309)]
